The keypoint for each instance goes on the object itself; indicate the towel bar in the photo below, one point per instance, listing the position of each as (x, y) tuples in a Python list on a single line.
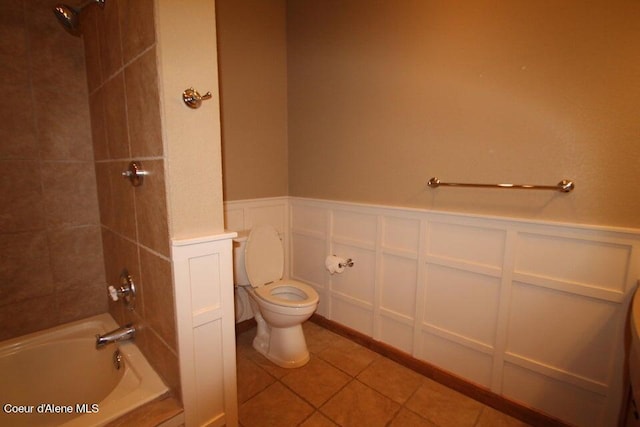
[(563, 186)]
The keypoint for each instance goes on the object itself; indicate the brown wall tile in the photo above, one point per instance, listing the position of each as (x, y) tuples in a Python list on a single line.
[(134, 220), (69, 193), (91, 41), (94, 301), (119, 253), (57, 58), (21, 195), (162, 358), (28, 316), (103, 186), (49, 239), (137, 26), (76, 259), (143, 106), (122, 210), (24, 267), (13, 31), (116, 118), (64, 132), (98, 128), (151, 209), (158, 296), (109, 38), (18, 138)]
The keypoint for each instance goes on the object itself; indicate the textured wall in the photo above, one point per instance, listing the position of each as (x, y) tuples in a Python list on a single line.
[(383, 95), (252, 53), (51, 268), (191, 136)]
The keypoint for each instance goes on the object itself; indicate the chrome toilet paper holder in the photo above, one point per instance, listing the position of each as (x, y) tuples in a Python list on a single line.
[(347, 263)]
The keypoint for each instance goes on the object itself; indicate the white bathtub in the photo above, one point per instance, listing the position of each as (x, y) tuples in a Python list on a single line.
[(57, 377)]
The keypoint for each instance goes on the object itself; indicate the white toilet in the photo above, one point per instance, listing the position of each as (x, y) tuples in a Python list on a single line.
[(282, 304)]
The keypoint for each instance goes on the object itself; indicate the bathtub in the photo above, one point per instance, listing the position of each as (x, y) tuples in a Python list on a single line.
[(57, 377)]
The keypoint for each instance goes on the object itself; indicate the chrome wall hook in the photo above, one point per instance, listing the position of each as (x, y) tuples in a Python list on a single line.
[(193, 99)]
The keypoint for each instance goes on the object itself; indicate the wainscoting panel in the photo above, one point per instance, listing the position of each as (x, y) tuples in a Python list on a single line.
[(471, 244), (357, 282), (555, 396), (533, 311), (241, 215), (203, 277), (457, 356), (398, 278), (462, 303)]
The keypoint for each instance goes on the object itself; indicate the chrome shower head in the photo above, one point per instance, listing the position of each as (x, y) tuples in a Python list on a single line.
[(69, 17)]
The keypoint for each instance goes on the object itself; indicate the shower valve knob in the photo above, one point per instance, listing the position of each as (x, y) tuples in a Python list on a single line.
[(113, 293), (193, 99), (135, 174)]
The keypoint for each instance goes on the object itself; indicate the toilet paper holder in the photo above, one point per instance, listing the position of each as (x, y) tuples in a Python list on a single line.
[(347, 263)]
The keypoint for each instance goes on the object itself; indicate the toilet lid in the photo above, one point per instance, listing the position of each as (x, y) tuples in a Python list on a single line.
[(263, 256)]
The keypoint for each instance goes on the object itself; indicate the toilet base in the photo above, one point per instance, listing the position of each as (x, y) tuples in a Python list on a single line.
[(286, 347)]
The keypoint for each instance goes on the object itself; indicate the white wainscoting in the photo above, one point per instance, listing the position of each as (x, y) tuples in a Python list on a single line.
[(203, 278), (533, 311), (240, 216)]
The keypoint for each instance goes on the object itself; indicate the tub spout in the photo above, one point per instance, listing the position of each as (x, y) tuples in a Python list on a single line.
[(126, 332)]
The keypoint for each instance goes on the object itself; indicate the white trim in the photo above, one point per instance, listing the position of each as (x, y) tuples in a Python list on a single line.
[(203, 278)]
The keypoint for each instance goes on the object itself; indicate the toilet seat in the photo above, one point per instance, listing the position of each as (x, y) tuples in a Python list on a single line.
[(288, 293)]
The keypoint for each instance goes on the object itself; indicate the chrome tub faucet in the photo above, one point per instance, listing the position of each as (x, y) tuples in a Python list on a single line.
[(126, 332)]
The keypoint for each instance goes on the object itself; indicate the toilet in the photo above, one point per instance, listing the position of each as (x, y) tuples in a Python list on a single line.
[(280, 305)]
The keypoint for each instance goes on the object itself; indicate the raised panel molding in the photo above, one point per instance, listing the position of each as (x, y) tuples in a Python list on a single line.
[(203, 278), (448, 288), (533, 311)]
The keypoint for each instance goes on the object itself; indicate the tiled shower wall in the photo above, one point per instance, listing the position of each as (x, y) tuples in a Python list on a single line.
[(51, 267), (120, 50)]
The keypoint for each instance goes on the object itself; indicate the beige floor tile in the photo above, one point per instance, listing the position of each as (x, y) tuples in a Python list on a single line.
[(244, 347), (317, 381), (262, 409), (359, 405), (273, 396), (492, 418), (348, 356), (244, 342), (251, 379), (391, 379), (318, 420), (406, 418), (443, 406), (317, 337)]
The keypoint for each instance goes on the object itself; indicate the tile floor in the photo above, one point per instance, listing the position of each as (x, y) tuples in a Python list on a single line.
[(346, 384)]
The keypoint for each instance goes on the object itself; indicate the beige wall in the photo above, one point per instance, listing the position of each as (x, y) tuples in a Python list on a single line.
[(122, 73), (253, 90), (384, 95), (187, 44), (51, 268)]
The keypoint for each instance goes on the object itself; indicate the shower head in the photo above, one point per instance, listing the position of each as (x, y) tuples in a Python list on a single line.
[(69, 17)]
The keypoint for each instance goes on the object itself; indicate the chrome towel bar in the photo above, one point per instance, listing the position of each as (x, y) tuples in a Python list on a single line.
[(563, 186)]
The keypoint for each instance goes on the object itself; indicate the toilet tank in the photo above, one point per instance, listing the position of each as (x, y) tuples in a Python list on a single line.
[(240, 277)]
